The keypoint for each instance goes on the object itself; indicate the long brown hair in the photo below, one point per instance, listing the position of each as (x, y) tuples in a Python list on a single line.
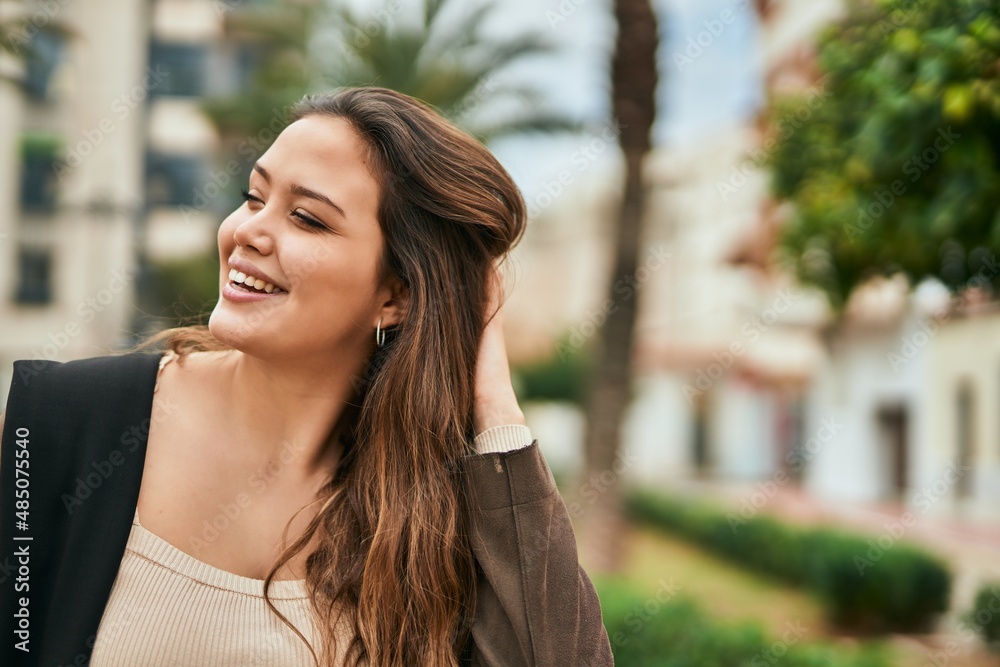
[(394, 557)]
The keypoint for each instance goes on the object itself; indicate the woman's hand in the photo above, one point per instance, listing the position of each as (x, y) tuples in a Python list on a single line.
[(495, 403)]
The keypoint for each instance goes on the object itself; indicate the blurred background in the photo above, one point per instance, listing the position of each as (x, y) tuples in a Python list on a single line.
[(753, 321)]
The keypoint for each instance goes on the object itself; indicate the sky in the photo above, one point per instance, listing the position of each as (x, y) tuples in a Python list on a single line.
[(718, 84)]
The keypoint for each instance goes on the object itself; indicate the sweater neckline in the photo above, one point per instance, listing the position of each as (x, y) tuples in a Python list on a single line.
[(149, 546)]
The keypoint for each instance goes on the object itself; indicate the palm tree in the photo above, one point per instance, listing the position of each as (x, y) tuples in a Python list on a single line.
[(444, 58), (633, 85)]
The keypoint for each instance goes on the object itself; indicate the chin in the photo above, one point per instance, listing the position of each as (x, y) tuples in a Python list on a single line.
[(235, 330)]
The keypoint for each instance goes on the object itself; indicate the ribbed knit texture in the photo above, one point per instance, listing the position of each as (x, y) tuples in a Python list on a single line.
[(503, 438), (169, 608)]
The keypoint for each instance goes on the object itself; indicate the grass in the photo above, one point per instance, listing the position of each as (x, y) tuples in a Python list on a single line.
[(724, 590), (729, 593)]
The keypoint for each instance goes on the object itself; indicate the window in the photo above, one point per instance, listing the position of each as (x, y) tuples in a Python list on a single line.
[(34, 277), (43, 55), (174, 180), (248, 62), (965, 413), (184, 65), (39, 154)]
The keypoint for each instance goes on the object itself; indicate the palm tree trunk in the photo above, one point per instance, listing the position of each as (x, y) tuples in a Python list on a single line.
[(633, 76)]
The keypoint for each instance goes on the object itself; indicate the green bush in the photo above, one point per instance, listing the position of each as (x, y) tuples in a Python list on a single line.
[(658, 630), (984, 616), (561, 377), (867, 585)]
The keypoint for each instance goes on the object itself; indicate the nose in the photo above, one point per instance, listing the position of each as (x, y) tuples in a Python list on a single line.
[(255, 233)]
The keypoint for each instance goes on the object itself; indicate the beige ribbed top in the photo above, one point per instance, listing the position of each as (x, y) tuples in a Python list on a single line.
[(167, 608)]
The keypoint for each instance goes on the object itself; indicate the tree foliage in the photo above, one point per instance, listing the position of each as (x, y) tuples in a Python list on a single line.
[(274, 39), (445, 56), (898, 168)]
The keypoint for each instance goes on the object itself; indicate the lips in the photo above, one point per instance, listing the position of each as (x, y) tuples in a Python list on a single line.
[(246, 274), (252, 283)]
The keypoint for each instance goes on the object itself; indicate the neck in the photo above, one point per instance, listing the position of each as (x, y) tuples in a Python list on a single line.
[(286, 409)]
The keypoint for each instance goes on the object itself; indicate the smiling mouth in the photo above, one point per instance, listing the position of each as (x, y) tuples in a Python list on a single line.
[(252, 284)]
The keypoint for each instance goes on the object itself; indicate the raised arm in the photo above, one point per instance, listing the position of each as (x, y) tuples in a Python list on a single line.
[(535, 604)]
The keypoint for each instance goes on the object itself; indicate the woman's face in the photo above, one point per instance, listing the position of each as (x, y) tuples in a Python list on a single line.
[(308, 239)]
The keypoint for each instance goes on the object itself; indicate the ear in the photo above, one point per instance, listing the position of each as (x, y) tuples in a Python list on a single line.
[(394, 297)]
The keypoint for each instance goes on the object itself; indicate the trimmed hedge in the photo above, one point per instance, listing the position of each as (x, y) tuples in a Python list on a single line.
[(868, 585), (984, 617), (646, 631)]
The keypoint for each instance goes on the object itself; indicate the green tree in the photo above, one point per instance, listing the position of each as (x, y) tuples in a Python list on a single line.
[(899, 168), (273, 39), (446, 58)]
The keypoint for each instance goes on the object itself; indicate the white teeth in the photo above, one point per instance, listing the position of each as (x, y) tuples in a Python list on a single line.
[(253, 282)]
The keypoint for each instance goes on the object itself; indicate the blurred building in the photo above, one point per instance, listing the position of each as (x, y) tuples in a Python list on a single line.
[(71, 177), (106, 164), (909, 379), (742, 376), (726, 346)]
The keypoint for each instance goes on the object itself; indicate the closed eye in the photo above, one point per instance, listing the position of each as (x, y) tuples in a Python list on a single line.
[(306, 219), (312, 222), (249, 197)]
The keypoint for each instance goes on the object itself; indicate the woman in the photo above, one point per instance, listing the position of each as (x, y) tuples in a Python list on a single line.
[(336, 471)]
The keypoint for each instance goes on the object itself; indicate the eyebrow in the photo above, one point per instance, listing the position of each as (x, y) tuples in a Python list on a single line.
[(302, 191)]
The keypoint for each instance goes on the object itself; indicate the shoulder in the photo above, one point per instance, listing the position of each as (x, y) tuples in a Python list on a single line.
[(94, 371), (68, 393)]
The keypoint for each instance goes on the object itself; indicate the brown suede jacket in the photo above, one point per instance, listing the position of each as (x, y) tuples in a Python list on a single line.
[(89, 420)]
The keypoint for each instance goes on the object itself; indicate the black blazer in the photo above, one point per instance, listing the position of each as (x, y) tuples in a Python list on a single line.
[(74, 444)]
